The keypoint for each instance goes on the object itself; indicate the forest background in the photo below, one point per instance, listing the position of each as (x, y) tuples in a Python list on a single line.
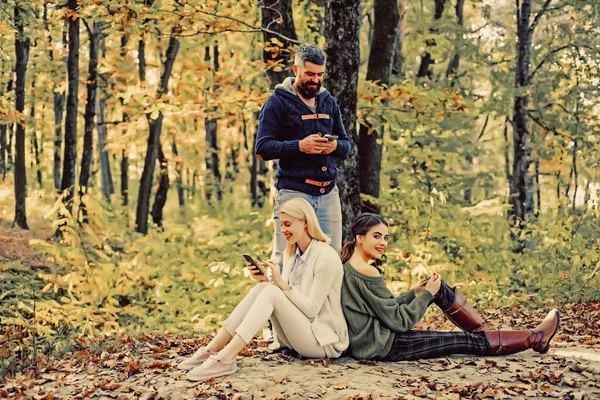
[(127, 131)]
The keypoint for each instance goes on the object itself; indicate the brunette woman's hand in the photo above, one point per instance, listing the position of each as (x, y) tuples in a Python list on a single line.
[(433, 284), (420, 287)]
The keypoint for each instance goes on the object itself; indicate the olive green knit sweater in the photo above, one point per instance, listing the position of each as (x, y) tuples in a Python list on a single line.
[(374, 315)]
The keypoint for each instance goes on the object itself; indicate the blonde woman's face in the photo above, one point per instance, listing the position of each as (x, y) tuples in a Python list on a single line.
[(293, 229), (374, 243)]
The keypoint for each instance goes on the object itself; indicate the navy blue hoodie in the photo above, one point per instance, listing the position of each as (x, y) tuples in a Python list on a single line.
[(285, 120)]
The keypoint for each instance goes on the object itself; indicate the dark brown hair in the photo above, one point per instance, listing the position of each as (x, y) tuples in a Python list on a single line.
[(361, 225)]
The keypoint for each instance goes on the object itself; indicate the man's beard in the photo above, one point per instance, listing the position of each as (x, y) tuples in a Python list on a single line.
[(308, 92)]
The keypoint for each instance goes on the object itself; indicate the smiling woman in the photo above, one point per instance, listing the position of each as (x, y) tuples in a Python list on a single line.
[(380, 324), (303, 301)]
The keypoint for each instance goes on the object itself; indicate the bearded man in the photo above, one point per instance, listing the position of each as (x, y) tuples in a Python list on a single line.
[(301, 125)]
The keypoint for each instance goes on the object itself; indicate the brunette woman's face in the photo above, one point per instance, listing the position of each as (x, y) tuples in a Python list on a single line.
[(293, 229), (374, 242)]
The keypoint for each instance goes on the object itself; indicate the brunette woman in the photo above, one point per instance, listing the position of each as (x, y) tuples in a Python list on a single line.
[(380, 324)]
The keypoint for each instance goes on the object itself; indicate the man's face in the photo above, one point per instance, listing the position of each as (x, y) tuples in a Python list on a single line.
[(309, 79)]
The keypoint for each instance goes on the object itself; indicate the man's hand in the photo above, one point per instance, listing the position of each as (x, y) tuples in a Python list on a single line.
[(314, 144), (331, 146)]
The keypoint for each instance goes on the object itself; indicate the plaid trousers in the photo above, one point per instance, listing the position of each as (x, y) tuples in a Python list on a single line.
[(416, 345)]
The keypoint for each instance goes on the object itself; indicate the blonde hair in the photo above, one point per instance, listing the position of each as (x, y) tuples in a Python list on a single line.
[(299, 208)]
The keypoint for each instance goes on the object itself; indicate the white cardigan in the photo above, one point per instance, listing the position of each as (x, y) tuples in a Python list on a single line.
[(319, 296)]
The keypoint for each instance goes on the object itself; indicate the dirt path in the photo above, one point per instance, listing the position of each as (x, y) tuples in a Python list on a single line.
[(145, 369)]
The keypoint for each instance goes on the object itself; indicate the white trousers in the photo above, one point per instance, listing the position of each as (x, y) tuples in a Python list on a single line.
[(292, 327)]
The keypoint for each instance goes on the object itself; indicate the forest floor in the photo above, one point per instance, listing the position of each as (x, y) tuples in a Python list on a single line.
[(144, 367)]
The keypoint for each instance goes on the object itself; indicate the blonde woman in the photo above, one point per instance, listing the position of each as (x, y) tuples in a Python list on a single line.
[(302, 301)]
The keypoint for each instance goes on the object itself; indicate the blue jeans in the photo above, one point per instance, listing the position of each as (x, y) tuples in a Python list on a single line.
[(329, 213)]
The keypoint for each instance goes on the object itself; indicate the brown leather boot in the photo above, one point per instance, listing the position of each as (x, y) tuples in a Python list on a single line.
[(463, 315), (538, 339)]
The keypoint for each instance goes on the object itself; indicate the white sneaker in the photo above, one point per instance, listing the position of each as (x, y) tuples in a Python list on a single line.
[(196, 359), (212, 368)]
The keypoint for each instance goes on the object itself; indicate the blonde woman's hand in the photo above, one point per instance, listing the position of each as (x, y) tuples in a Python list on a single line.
[(433, 284), (255, 274), (276, 275)]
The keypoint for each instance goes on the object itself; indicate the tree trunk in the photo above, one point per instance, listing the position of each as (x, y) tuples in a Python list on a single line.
[(460, 19), (522, 181), (179, 172), (34, 139), (398, 64), (10, 136), (22, 55), (212, 144), (427, 60), (124, 153), (58, 102), (90, 115), (276, 15), (107, 182), (3, 150), (258, 169), (70, 154), (379, 69), (163, 188), (141, 220), (342, 34)]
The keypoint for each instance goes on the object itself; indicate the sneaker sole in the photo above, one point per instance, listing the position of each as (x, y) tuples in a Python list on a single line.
[(214, 376), (545, 349)]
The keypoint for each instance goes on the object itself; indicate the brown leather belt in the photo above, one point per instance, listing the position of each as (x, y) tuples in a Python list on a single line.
[(318, 183)]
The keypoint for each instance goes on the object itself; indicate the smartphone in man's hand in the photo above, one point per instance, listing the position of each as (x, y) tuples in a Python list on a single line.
[(330, 137), (257, 267)]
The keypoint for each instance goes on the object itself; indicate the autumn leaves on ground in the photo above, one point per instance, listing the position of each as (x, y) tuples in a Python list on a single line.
[(128, 367)]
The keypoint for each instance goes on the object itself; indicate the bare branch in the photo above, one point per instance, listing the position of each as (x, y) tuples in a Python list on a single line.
[(487, 118), (548, 128), (539, 15), (546, 57), (251, 28)]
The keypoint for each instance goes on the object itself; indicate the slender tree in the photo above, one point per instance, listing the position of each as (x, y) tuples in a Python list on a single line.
[(143, 204), (58, 98), (124, 153), (179, 172), (460, 20), (163, 188), (342, 30), (106, 176), (11, 128), (95, 33), (276, 16), (35, 162), (398, 64), (211, 126), (521, 184), (426, 59), (67, 186), (381, 58), (22, 55)]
